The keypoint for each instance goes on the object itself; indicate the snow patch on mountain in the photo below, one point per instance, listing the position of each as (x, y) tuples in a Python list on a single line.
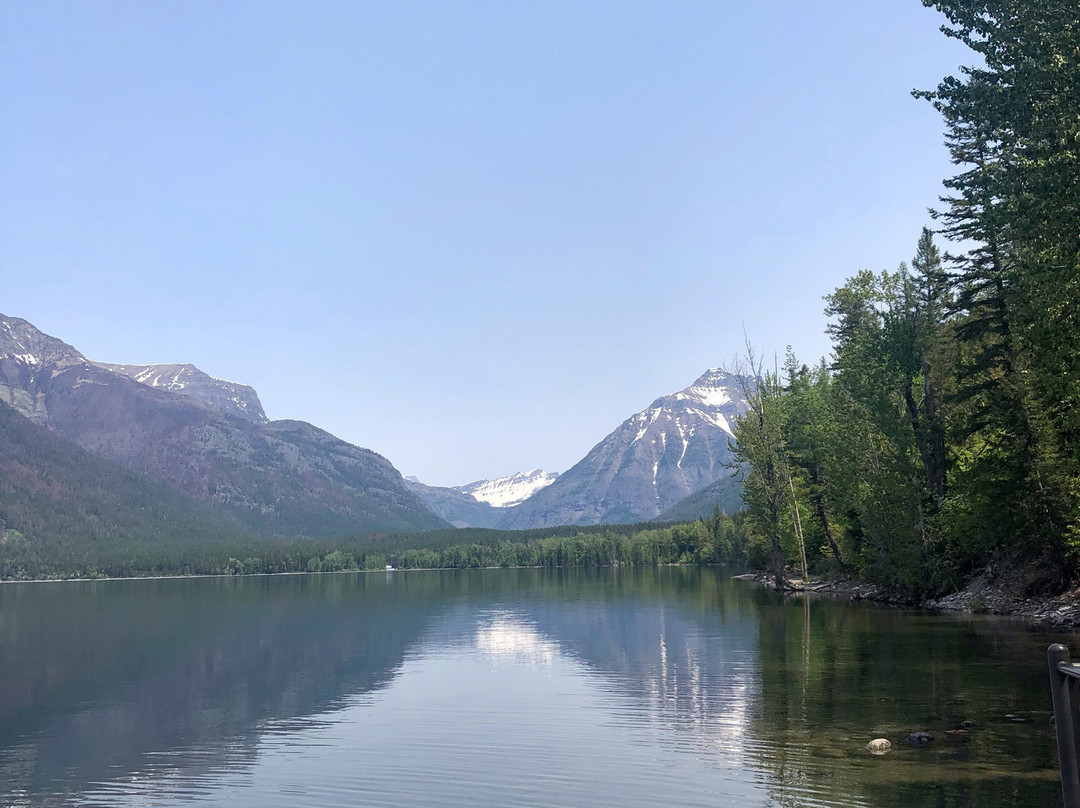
[(646, 419), (505, 492), (710, 396)]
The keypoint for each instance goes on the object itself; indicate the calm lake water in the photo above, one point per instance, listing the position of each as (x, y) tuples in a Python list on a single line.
[(677, 687)]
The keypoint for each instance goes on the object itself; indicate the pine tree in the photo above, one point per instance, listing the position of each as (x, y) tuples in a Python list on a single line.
[(1013, 127)]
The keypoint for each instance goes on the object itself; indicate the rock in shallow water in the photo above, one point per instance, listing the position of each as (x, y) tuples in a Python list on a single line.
[(879, 746), (919, 738)]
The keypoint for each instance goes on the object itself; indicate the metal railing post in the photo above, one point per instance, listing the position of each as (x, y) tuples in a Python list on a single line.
[(1063, 679)]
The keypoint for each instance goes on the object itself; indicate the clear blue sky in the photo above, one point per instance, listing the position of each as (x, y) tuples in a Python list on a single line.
[(473, 236)]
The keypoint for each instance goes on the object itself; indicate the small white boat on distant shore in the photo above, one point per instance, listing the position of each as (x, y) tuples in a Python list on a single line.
[(390, 568)]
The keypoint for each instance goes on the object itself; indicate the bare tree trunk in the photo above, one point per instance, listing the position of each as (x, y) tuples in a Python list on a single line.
[(798, 530)]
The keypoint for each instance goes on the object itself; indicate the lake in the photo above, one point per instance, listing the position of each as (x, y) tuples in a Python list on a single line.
[(671, 686)]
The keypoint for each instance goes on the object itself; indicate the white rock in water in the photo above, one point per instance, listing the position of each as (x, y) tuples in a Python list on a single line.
[(879, 746)]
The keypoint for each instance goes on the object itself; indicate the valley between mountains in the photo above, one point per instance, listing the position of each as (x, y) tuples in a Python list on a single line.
[(160, 450)]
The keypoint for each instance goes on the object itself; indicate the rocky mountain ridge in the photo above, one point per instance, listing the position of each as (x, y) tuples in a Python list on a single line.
[(228, 397), (284, 478)]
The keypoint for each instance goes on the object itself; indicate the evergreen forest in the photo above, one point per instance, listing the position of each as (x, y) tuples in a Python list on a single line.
[(719, 539), (941, 439)]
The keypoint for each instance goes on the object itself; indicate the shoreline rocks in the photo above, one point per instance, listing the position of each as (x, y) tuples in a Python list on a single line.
[(980, 596)]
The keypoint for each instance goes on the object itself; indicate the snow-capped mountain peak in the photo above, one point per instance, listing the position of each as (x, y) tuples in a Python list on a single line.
[(505, 492), (676, 446), (714, 388)]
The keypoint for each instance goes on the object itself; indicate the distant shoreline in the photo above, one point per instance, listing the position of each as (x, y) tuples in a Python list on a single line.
[(326, 572), (227, 575)]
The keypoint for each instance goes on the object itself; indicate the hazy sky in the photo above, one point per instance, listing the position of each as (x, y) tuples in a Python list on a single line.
[(473, 236)]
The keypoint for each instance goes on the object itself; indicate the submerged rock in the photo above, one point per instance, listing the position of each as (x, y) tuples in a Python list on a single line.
[(919, 738), (879, 746)]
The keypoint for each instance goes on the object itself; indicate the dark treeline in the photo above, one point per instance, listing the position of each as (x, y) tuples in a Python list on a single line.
[(944, 436), (719, 539)]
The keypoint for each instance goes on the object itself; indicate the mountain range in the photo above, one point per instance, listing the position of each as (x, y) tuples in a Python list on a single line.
[(209, 442)]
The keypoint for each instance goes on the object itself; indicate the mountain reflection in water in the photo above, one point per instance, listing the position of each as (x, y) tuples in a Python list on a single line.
[(507, 687)]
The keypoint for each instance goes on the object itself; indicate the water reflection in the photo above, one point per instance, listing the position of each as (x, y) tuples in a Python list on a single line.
[(683, 665), (97, 677), (505, 636), (517, 686)]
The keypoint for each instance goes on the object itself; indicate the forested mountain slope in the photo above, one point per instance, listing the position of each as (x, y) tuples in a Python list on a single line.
[(725, 494), (53, 492)]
